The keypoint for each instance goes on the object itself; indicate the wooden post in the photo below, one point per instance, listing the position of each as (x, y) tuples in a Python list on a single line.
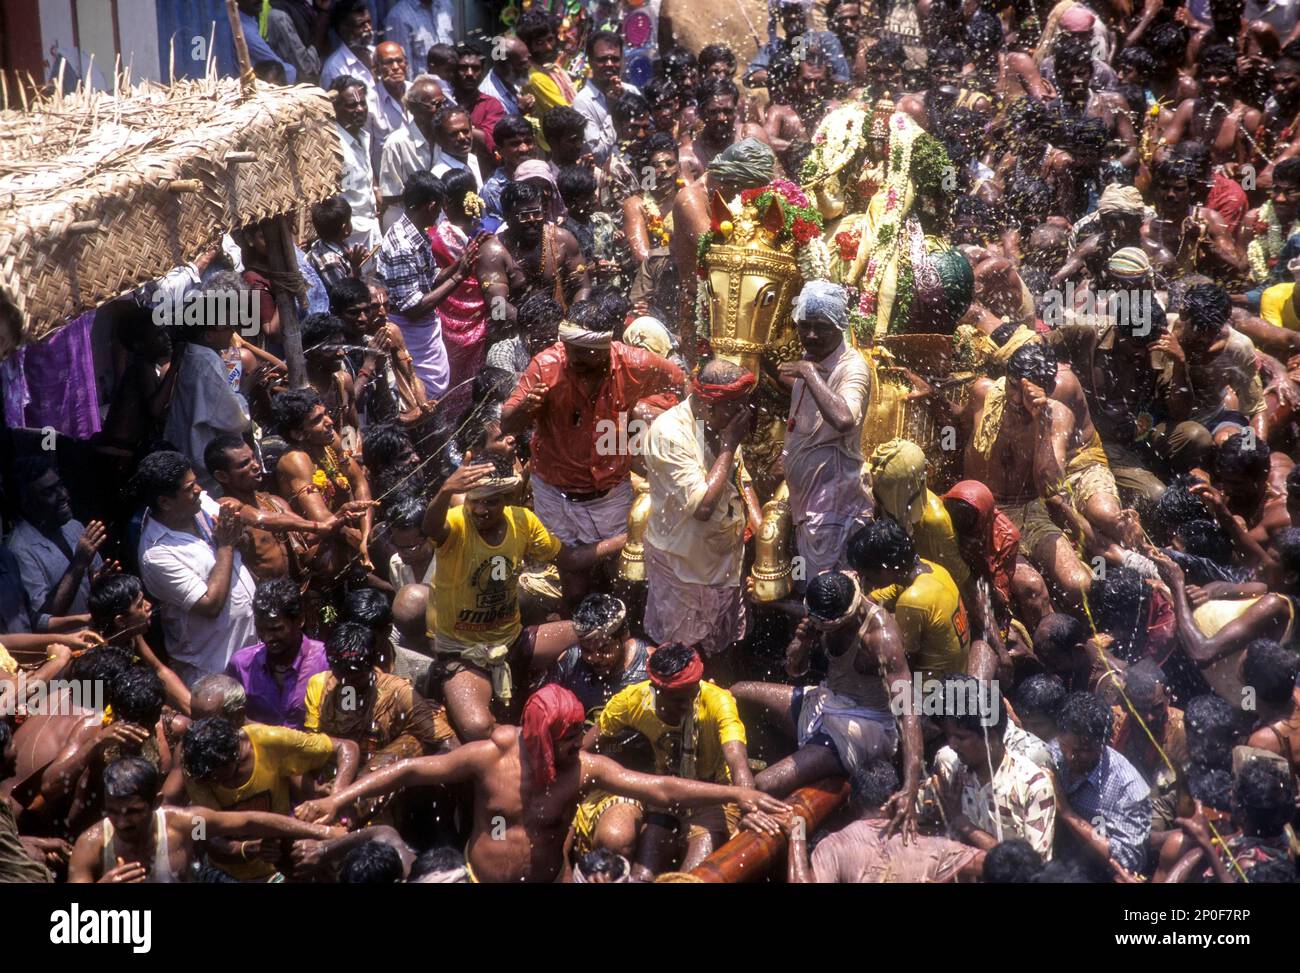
[(279, 241), (247, 80), (748, 856)]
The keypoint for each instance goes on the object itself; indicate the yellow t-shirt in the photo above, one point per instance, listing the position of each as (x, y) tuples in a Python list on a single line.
[(279, 753), (1276, 307), (936, 540), (932, 620), (716, 723), (476, 586)]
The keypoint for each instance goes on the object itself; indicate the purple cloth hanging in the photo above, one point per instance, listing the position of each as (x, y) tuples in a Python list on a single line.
[(60, 378)]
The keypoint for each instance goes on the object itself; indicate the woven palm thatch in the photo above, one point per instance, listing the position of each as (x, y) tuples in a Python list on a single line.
[(100, 193)]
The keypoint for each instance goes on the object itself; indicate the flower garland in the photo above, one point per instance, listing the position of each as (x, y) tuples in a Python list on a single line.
[(801, 223), (329, 478), (655, 226), (1263, 251)]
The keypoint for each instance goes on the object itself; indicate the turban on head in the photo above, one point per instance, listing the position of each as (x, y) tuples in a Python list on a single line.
[(747, 164), (1129, 263), (898, 478), (649, 333), (710, 392), (550, 713), (540, 169), (1125, 200), (1019, 338), (492, 486), (688, 675), (1077, 19), (821, 298)]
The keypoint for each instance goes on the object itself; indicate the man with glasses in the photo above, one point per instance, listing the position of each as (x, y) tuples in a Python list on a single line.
[(414, 148), (605, 54)]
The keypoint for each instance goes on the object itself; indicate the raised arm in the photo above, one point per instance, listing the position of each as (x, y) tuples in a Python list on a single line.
[(672, 792)]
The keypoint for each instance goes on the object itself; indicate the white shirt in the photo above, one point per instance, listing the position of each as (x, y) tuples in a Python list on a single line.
[(417, 27), (502, 92), (174, 567), (358, 187), (387, 121), (446, 163), (41, 564), (678, 461), (205, 406), (406, 152), (344, 61), (592, 104)]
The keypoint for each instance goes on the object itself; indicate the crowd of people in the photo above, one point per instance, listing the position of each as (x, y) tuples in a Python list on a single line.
[(473, 604)]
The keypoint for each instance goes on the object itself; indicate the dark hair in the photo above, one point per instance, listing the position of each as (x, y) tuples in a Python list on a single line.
[(1034, 362), (1140, 60), (138, 697), (1275, 871), (111, 595), (1244, 455), (946, 55), (586, 314), (1206, 309), (216, 454), (1168, 41), (675, 63), (1271, 670), (422, 188), (350, 648), (1011, 861), (613, 305), (369, 607), (984, 32), (382, 445), (597, 610), (319, 329), (539, 312), (159, 475), (1142, 679), (628, 107), (575, 182), (1211, 725), (344, 9), (1286, 546), (1293, 483), (440, 54), (888, 49), (670, 659), (1119, 600), (1216, 56), (512, 127), (1041, 695), (277, 596), (345, 81), (718, 88), (966, 694), (602, 861), (1087, 716), (882, 545), (518, 194), (447, 111), (209, 745), (440, 858), (374, 863), (290, 409), (329, 215), (131, 777), (1288, 171), (562, 121), (715, 54), (1212, 787), (348, 293), (1058, 634), (1207, 539), (656, 143), (1263, 797), (829, 595), (407, 513), (1177, 505), (455, 185), (873, 784), (1072, 53), (533, 25), (603, 37), (103, 664), (661, 90)]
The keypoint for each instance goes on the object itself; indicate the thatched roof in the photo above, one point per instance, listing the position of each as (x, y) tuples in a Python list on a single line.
[(100, 193)]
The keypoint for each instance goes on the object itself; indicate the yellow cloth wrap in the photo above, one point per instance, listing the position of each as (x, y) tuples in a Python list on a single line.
[(7, 662), (991, 419), (1093, 454), (1019, 338), (898, 478), (495, 659)]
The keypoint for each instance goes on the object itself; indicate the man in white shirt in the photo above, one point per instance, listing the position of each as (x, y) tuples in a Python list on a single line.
[(413, 149), (389, 111), (605, 53), (189, 564), (206, 403), (456, 144), (358, 180), (55, 553), (419, 24), (694, 540), (350, 20)]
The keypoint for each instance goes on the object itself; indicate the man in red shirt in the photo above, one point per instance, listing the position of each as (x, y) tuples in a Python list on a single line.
[(484, 110), (584, 393)]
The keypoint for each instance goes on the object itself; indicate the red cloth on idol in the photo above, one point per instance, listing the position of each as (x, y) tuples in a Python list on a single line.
[(999, 537)]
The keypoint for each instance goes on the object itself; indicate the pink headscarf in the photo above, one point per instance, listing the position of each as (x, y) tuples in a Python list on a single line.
[(540, 169)]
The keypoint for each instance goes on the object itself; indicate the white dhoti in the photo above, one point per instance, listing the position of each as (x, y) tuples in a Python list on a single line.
[(707, 617), (423, 338)]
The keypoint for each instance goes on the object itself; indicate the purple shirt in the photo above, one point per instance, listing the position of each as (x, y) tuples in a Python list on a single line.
[(267, 702)]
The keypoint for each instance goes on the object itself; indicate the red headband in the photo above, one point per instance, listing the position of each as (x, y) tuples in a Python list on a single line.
[(549, 714), (721, 393), (689, 675)]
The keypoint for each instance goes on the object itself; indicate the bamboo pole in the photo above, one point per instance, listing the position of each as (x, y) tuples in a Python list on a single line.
[(279, 241), (748, 856), (247, 80)]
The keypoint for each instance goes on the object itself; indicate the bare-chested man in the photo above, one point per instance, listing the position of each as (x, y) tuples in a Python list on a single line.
[(846, 722), (723, 126), (140, 840), (529, 778), (1216, 116), (809, 95), (531, 255)]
